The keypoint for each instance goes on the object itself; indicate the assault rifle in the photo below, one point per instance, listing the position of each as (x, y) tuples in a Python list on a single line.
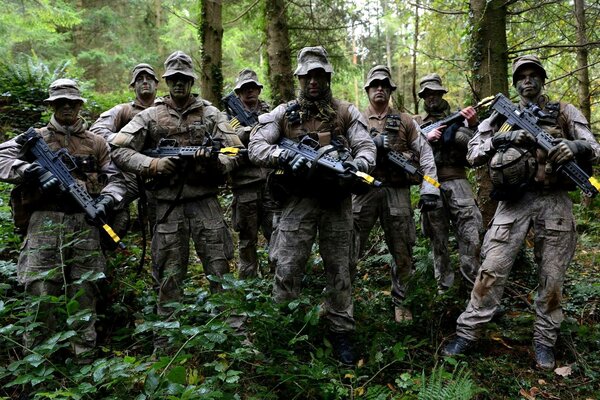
[(452, 118), (169, 148), (35, 145), (527, 119), (407, 166), (307, 148), (234, 107)]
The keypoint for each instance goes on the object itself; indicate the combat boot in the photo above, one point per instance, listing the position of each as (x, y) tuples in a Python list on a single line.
[(342, 347), (458, 345), (544, 356)]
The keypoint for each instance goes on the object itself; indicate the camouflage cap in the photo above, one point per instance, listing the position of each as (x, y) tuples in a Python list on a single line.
[(528, 60), (379, 73), (138, 69), (64, 89), (310, 58), (179, 63), (431, 82), (246, 76)]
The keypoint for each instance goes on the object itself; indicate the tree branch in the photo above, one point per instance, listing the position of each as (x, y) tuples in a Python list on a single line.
[(446, 12), (590, 45), (242, 14), (181, 17), (524, 10)]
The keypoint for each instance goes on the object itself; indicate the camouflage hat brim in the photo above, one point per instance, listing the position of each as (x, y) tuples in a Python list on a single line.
[(380, 76), (305, 68), (169, 73), (246, 81), (139, 71), (68, 96), (432, 86)]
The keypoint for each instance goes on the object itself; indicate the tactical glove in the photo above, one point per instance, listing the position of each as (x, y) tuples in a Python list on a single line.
[(202, 153), (566, 150), (162, 166), (296, 163), (520, 137), (104, 204), (382, 142), (48, 182), (428, 202)]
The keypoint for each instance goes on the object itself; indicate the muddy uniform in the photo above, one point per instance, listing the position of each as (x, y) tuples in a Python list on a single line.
[(544, 206), (457, 207), (253, 207), (47, 262)]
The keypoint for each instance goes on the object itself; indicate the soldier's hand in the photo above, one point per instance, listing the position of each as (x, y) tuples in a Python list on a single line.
[(470, 115), (520, 137), (203, 153), (163, 166), (428, 202), (104, 204), (382, 142), (566, 150), (435, 134), (48, 182)]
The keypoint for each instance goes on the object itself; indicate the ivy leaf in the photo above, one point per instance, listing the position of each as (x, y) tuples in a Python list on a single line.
[(177, 375)]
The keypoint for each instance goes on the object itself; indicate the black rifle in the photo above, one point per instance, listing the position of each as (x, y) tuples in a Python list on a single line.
[(452, 118), (169, 148), (307, 148), (407, 166), (35, 145), (526, 119), (235, 108)]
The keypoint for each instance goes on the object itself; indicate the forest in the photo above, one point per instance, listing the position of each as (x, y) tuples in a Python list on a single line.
[(470, 44)]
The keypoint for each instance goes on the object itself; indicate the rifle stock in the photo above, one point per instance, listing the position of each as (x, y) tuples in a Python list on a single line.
[(52, 161), (526, 119), (234, 107)]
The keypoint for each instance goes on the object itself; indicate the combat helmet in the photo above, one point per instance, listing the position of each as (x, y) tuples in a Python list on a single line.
[(512, 168)]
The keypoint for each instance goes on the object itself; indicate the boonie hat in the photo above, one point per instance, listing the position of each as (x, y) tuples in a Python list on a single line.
[(528, 60), (379, 73), (138, 69), (431, 82), (64, 89), (179, 63), (246, 76), (310, 58)]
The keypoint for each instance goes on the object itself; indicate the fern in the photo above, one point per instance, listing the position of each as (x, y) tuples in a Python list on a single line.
[(442, 385)]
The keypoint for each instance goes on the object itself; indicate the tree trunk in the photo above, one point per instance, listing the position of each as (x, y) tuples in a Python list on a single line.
[(211, 38), (583, 77), (279, 65), (414, 59), (489, 57)]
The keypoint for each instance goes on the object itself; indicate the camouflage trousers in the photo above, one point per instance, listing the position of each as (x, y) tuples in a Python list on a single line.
[(391, 206), (60, 249), (457, 209), (301, 219), (253, 210), (201, 221), (550, 215)]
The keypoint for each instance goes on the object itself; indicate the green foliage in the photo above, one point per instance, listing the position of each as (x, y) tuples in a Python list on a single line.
[(442, 385)]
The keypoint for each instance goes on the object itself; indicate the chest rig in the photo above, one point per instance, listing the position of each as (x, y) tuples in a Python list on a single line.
[(188, 128)]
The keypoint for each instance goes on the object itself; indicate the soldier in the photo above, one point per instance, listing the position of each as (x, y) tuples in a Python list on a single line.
[(253, 208), (186, 192), (541, 202), (144, 82), (390, 204), (46, 264), (316, 201), (457, 206)]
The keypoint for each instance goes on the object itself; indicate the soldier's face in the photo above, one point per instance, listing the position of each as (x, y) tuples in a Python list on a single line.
[(66, 111), (314, 84), (144, 85), (433, 99), (180, 86), (249, 93), (529, 82), (379, 92)]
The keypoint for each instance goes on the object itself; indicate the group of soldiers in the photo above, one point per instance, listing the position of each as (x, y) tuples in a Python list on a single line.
[(291, 198)]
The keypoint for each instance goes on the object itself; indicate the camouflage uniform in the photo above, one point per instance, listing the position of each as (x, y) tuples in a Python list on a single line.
[(390, 203), (544, 206), (253, 207), (186, 205), (314, 204), (107, 125), (47, 262), (457, 206)]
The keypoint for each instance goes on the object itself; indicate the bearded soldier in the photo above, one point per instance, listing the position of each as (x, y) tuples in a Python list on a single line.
[(186, 192), (537, 198), (457, 206), (253, 207), (46, 264), (390, 203), (144, 82), (316, 201)]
